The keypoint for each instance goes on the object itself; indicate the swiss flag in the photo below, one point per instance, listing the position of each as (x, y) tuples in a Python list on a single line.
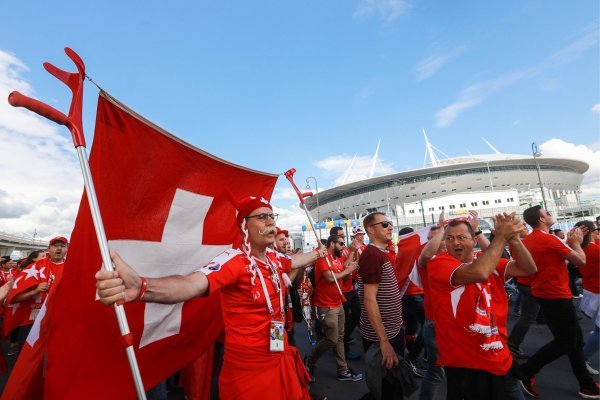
[(24, 312), (164, 210), (409, 249)]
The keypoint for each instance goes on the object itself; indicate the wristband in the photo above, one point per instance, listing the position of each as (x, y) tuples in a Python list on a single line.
[(143, 289), (478, 233)]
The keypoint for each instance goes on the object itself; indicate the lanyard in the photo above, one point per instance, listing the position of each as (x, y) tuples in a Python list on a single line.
[(276, 283)]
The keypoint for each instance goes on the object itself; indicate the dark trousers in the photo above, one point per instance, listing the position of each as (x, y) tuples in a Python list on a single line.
[(413, 314), (388, 391), (475, 384), (352, 314), (529, 312), (561, 318), (573, 275)]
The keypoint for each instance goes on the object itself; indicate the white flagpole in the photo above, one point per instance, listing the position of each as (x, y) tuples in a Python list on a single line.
[(74, 124)]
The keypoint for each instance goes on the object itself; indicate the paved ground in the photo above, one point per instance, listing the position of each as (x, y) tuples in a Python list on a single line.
[(555, 382)]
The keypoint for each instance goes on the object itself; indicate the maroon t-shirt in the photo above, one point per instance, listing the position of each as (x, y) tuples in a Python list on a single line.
[(374, 267)]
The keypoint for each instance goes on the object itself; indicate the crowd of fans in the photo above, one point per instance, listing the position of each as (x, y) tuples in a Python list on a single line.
[(444, 319)]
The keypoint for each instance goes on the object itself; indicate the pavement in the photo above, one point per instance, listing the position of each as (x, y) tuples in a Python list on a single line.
[(555, 382)]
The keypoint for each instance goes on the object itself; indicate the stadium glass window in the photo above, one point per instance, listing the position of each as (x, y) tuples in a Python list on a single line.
[(451, 206), (463, 205), (431, 208), (411, 211), (443, 191), (440, 208), (473, 204), (485, 202)]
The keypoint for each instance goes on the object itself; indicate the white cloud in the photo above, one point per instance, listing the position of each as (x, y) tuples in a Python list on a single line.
[(290, 218), (41, 179), (596, 108), (387, 10), (432, 64), (336, 167), (476, 94), (590, 186)]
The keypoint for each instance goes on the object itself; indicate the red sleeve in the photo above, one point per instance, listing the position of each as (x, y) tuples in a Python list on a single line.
[(501, 268), (370, 267), (558, 247), (440, 270), (223, 270), (285, 261)]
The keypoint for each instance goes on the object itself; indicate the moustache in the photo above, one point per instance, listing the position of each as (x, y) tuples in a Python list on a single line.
[(267, 231)]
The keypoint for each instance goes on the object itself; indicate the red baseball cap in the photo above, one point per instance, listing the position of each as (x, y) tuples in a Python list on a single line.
[(59, 239), (279, 230)]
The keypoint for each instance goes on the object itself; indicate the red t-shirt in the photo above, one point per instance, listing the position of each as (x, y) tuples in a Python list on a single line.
[(245, 313), (458, 314), (590, 272), (552, 278), (326, 294), (427, 305)]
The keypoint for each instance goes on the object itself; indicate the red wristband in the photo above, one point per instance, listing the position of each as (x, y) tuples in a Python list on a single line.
[(143, 289)]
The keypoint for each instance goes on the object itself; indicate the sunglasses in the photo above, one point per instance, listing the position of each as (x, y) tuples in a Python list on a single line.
[(263, 217), (384, 224), (341, 243)]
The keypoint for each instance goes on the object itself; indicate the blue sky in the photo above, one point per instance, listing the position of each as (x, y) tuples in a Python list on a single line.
[(310, 84)]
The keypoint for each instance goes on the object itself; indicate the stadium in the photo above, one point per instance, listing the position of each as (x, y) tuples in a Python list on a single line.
[(488, 184)]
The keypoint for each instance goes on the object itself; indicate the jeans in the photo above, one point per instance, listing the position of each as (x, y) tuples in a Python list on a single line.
[(332, 321), (434, 375), (561, 318), (590, 347), (529, 312), (158, 392), (473, 384), (414, 316), (398, 346), (352, 315)]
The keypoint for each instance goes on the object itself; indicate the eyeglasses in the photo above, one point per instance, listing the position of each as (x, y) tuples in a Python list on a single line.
[(384, 224), (263, 217)]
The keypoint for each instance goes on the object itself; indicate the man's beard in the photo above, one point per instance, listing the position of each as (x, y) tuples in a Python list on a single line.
[(337, 253)]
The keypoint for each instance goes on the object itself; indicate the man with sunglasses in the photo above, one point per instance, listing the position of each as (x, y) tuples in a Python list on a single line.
[(381, 306), (550, 287), (249, 282), (328, 300), (471, 309)]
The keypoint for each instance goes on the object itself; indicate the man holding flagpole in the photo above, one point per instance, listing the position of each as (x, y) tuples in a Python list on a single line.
[(257, 358)]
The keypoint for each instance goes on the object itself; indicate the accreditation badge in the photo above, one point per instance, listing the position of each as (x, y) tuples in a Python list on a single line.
[(276, 336)]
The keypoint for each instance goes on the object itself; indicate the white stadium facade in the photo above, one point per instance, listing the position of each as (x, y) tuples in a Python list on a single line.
[(488, 184)]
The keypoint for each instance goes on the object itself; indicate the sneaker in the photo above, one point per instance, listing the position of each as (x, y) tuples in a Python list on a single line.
[(13, 349), (316, 396), (528, 387), (350, 355), (416, 371), (349, 375), (590, 369), (310, 368), (590, 393), (517, 352), (577, 296)]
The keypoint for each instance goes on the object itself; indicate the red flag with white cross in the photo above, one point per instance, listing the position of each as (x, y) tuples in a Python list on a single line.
[(165, 212)]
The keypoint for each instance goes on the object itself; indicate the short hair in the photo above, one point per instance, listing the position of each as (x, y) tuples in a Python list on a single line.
[(323, 242), (588, 236), (331, 239), (434, 228), (556, 231), (458, 222), (335, 229), (405, 230), (532, 216), (369, 218)]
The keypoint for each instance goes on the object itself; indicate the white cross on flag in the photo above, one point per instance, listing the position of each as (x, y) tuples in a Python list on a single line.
[(164, 209)]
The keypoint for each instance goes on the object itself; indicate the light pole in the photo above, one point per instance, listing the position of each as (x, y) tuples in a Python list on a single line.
[(317, 197), (536, 153)]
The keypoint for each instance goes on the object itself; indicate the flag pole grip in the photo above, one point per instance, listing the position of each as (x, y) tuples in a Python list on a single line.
[(16, 99)]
